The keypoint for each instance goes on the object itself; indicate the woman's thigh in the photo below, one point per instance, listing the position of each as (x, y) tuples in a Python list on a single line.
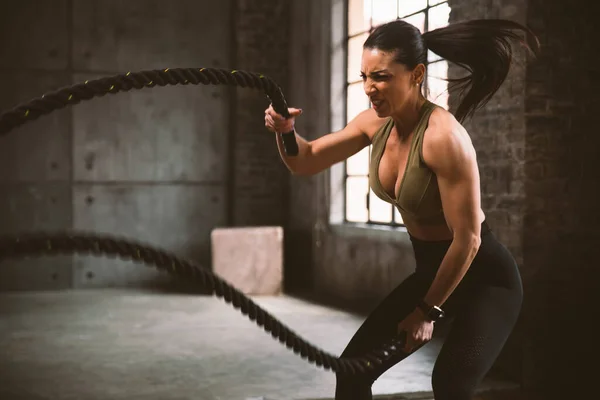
[(478, 333), (382, 323)]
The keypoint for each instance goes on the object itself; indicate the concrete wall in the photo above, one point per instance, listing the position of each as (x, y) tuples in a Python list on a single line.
[(149, 164), (35, 179)]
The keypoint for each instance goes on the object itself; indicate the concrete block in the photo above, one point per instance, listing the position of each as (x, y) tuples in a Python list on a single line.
[(38, 150), (249, 258), (176, 218), (121, 36), (172, 133), (27, 208), (34, 34)]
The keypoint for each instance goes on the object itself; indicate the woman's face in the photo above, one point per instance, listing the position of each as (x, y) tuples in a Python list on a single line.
[(389, 85)]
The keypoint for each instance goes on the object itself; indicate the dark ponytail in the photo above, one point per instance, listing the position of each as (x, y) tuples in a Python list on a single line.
[(483, 48)]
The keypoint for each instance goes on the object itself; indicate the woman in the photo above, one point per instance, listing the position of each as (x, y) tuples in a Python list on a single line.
[(424, 163)]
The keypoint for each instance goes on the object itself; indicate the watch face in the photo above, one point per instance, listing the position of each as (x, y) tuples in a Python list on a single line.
[(436, 313)]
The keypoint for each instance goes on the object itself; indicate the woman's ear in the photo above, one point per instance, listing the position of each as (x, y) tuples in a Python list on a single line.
[(418, 74)]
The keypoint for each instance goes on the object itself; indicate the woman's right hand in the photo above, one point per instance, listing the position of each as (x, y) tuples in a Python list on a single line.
[(277, 123)]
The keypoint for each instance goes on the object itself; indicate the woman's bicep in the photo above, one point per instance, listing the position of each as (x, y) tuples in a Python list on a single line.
[(335, 147), (450, 154)]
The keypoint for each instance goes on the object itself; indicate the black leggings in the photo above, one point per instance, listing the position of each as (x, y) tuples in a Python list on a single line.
[(484, 308)]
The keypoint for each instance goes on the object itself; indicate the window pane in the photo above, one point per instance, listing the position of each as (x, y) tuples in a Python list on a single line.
[(437, 86), (379, 210), (355, 56), (406, 7), (397, 216), (434, 2), (417, 20), (359, 16), (358, 164), (356, 101), (432, 57), (356, 199), (439, 16), (384, 11)]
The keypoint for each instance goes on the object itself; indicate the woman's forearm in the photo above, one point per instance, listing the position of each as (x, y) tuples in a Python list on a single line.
[(453, 268), (296, 164)]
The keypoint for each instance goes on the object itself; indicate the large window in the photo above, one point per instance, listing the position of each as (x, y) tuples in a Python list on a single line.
[(361, 204)]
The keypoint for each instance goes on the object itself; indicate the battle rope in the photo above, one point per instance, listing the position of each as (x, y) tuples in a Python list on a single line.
[(45, 243), (56, 243), (149, 79)]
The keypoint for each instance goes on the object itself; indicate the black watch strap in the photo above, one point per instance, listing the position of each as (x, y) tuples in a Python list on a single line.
[(433, 313), (424, 307)]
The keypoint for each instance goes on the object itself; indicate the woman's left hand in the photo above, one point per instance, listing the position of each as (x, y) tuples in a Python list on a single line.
[(418, 329)]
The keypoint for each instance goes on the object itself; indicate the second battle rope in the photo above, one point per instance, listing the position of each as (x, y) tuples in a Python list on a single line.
[(40, 244), (57, 243)]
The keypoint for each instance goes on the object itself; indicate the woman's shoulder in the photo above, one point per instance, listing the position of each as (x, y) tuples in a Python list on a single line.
[(442, 118), (442, 124), (370, 123), (444, 133)]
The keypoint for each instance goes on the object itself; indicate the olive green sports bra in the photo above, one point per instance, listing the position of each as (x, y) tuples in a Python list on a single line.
[(418, 196)]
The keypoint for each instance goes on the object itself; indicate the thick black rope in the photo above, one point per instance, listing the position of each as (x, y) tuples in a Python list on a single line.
[(147, 79), (56, 243), (139, 80), (40, 244)]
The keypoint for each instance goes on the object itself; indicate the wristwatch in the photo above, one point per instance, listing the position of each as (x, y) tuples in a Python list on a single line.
[(433, 313)]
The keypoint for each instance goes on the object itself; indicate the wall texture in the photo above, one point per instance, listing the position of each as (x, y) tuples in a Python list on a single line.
[(164, 166), (260, 180), (537, 150), (499, 135), (147, 164), (35, 160), (562, 190)]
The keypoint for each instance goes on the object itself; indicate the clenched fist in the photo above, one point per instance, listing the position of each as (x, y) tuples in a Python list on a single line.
[(277, 123)]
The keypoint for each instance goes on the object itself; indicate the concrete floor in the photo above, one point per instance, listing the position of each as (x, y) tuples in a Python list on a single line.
[(125, 344)]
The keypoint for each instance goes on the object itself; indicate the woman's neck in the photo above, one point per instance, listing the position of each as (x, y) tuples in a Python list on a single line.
[(406, 118)]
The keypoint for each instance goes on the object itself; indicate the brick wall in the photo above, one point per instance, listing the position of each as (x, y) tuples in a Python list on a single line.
[(260, 180), (536, 147), (498, 132), (562, 187)]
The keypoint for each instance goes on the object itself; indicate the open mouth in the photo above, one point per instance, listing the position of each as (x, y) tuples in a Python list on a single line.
[(376, 103)]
